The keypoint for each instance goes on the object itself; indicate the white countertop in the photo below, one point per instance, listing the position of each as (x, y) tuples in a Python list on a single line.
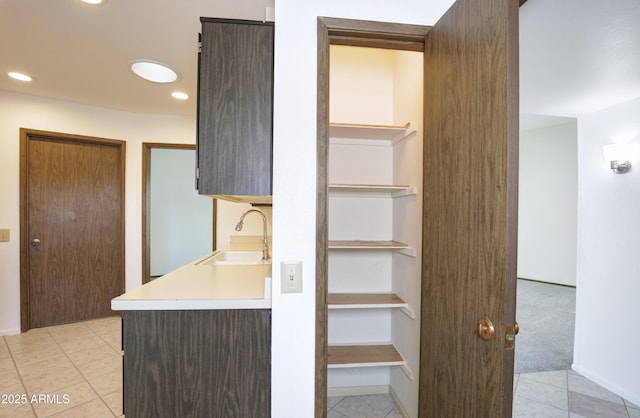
[(203, 287)]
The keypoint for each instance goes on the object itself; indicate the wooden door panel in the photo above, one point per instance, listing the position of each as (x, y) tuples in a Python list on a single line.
[(470, 209), (72, 201), (92, 229), (46, 262)]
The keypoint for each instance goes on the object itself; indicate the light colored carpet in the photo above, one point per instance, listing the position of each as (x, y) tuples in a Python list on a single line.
[(546, 315)]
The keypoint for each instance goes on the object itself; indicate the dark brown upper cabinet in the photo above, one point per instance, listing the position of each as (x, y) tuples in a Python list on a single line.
[(235, 110)]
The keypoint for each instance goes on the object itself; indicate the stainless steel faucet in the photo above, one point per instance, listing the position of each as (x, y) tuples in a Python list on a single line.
[(265, 244)]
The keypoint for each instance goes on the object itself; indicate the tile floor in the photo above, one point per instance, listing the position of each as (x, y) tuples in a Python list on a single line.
[(72, 370), (75, 370), (562, 393)]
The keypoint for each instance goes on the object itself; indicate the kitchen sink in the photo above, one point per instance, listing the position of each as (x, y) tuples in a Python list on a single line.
[(234, 258)]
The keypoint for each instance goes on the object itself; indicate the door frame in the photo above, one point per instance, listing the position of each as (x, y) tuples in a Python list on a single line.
[(146, 203), (25, 136), (335, 31)]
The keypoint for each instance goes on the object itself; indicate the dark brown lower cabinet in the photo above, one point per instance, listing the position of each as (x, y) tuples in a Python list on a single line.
[(201, 363)]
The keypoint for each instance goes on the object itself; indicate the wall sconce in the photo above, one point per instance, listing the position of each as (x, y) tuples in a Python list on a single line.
[(619, 155)]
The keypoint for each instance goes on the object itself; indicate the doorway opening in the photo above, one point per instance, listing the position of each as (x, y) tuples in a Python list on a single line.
[(178, 224), (71, 227), (547, 243), (369, 214)]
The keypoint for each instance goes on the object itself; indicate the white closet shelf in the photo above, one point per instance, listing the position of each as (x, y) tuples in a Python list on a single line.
[(363, 132), (365, 300), (392, 190), (343, 356), (366, 245), (369, 301)]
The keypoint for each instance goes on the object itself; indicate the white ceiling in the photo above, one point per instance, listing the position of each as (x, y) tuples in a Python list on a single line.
[(81, 53), (577, 56)]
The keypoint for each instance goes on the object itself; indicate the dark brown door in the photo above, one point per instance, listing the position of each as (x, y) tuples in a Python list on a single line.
[(72, 241), (470, 210)]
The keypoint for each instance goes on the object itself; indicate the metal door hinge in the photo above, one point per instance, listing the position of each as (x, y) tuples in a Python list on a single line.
[(510, 336), (197, 173)]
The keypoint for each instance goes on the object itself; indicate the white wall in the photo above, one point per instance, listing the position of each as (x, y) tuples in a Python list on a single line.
[(607, 337), (294, 210), (547, 209), (229, 214), (22, 111)]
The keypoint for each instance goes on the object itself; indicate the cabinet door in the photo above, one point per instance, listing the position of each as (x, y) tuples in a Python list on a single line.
[(197, 363), (235, 107)]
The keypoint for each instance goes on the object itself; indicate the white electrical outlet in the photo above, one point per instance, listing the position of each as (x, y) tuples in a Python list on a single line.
[(291, 276)]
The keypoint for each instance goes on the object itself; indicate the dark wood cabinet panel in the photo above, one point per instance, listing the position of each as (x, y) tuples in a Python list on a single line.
[(235, 107), (214, 363)]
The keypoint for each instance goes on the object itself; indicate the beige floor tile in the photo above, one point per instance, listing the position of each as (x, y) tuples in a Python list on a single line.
[(533, 390), (9, 392), (37, 354), (71, 342), (17, 411), (554, 378), (114, 340), (50, 403), (581, 384), (526, 408), (49, 375), (4, 350), (35, 339), (72, 333), (10, 381), (92, 409), (88, 354), (41, 368), (375, 406), (114, 402), (6, 363), (105, 375), (106, 326), (589, 406)]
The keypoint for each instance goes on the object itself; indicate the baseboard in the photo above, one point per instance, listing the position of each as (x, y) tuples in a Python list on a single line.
[(10, 331), (596, 378), (399, 405), (358, 390), (547, 282)]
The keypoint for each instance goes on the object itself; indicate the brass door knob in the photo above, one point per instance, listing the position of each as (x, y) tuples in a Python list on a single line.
[(35, 242), (486, 330)]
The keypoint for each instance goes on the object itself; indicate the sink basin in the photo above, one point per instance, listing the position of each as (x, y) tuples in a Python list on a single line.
[(234, 258)]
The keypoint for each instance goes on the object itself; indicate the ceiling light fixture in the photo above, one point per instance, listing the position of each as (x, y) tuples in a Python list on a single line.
[(179, 95), (94, 2), (154, 71), (20, 76)]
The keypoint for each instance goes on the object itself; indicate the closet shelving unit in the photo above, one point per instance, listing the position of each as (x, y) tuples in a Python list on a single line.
[(367, 354)]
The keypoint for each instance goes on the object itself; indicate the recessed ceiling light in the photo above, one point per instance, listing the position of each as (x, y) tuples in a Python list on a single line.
[(94, 2), (179, 95), (154, 71), (20, 76)]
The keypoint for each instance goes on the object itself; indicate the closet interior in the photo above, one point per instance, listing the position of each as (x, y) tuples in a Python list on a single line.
[(374, 223)]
